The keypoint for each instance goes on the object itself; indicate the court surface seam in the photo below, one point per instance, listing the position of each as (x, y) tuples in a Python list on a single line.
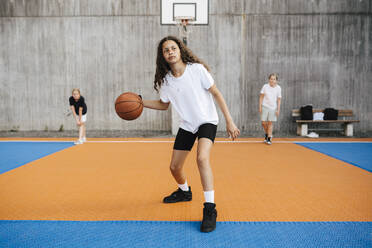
[(172, 141)]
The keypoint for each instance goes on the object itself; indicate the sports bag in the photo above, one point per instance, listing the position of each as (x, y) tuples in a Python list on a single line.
[(306, 112), (330, 114)]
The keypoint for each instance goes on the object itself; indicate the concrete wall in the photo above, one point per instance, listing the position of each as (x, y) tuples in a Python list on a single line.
[(321, 49)]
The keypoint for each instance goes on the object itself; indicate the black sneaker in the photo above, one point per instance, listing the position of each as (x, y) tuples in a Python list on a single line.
[(179, 196), (266, 137), (269, 141), (209, 217)]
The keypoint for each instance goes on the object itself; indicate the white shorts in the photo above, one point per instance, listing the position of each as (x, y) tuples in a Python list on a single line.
[(268, 114), (83, 118)]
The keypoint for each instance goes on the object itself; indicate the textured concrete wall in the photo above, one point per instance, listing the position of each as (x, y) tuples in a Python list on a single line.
[(321, 49)]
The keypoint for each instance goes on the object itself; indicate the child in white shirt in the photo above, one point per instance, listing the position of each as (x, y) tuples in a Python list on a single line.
[(269, 105), (184, 81)]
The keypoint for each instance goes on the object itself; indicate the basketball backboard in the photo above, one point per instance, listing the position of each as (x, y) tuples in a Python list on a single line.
[(197, 11)]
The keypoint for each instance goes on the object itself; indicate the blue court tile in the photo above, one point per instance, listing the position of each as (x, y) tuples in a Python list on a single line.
[(184, 234), (16, 154), (358, 154)]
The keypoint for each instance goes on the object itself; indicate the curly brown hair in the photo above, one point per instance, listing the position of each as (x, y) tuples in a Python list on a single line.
[(162, 67)]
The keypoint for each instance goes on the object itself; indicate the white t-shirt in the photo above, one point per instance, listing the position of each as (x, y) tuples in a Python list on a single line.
[(190, 97), (271, 96)]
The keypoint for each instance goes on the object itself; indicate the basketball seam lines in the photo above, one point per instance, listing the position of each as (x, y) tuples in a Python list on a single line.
[(131, 110)]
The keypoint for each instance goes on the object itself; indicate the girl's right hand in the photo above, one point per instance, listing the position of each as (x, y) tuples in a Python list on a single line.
[(232, 130)]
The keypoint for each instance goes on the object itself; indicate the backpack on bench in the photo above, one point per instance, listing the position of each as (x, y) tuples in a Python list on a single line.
[(330, 114), (306, 112)]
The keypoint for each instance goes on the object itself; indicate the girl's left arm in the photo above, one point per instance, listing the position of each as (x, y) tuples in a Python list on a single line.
[(232, 130), (80, 114), (278, 109)]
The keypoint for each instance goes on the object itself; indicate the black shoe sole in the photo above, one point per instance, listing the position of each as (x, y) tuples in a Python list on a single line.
[(207, 230), (186, 200)]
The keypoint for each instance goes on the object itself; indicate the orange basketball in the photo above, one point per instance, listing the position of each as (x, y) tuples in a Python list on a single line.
[(129, 106)]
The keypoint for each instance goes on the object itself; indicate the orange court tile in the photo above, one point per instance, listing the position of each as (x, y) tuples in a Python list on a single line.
[(170, 139), (127, 181)]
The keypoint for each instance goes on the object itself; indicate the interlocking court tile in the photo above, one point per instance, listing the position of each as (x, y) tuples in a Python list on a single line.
[(127, 181)]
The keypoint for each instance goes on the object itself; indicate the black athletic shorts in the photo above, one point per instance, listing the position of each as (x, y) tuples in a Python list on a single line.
[(185, 139)]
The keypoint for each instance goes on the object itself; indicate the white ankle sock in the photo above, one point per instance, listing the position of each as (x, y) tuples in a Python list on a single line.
[(209, 196), (184, 186)]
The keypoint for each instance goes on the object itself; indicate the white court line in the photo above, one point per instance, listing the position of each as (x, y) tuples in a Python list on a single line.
[(223, 141), (299, 142), (171, 141), (31, 141)]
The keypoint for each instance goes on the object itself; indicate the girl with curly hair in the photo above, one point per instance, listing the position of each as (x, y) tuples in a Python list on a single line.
[(184, 81)]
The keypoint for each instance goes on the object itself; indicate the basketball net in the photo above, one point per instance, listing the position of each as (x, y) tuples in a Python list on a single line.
[(184, 27)]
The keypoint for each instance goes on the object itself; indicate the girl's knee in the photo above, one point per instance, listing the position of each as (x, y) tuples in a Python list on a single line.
[(174, 167), (202, 160)]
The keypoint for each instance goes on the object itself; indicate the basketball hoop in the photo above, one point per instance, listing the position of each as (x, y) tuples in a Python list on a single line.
[(184, 29)]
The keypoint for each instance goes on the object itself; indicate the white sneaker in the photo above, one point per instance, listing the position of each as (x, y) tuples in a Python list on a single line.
[(84, 139), (268, 142), (78, 142), (312, 135)]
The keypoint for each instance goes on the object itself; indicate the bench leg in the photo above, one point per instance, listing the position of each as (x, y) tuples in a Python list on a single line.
[(301, 129), (349, 129)]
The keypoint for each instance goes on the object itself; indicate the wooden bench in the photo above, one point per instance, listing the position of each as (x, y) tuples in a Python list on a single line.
[(302, 125)]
